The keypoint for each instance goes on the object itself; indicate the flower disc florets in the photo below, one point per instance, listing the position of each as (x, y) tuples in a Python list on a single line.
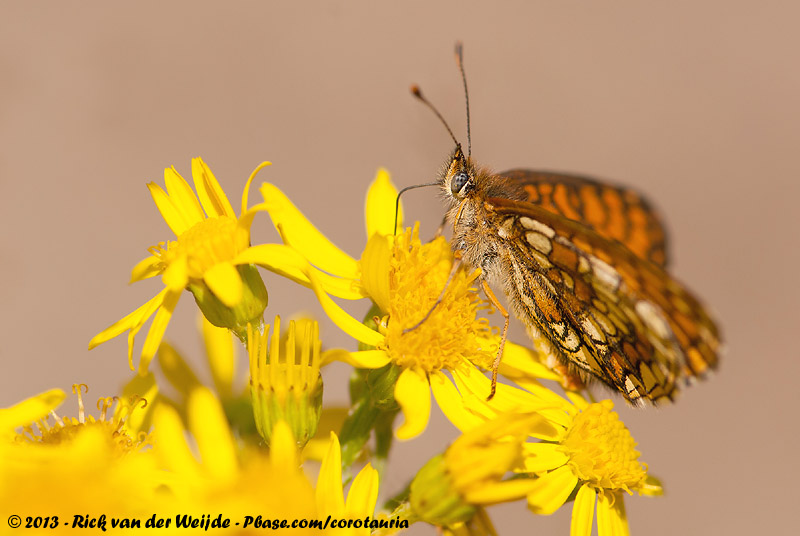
[(602, 451), (418, 274)]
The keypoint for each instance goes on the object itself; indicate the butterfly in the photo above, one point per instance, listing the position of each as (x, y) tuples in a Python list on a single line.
[(583, 265)]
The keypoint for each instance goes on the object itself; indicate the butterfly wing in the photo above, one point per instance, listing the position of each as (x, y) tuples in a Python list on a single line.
[(609, 312), (613, 212)]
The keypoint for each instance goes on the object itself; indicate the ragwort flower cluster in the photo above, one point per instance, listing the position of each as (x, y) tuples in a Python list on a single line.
[(173, 442)]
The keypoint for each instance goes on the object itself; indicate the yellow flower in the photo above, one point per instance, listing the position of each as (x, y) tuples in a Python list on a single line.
[(594, 453), (239, 402), (203, 259), (585, 449), (404, 278), (237, 481), (82, 467), (112, 426), (285, 382)]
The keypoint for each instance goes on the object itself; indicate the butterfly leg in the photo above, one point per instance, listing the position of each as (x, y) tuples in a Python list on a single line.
[(496, 303), (440, 230)]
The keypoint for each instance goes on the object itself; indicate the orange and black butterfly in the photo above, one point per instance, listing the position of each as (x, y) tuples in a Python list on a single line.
[(583, 265)]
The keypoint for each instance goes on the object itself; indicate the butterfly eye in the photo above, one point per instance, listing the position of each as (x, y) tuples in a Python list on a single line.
[(458, 182)]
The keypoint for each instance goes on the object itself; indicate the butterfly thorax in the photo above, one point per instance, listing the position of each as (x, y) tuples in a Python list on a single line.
[(475, 228)]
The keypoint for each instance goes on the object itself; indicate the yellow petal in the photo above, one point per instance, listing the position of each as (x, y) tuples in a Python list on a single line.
[(221, 357), (413, 394), (29, 410), (497, 492), (577, 400), (340, 287), (176, 275), (583, 512), (284, 259), (283, 448), (172, 448), (182, 197), (143, 387), (552, 490), (370, 359), (363, 494), (210, 429), (246, 193), (611, 518), (329, 482), (543, 457), (347, 289), (375, 270), (145, 268), (211, 195), (298, 232), (520, 360), (225, 282), (178, 373), (380, 206), (129, 321), (174, 218), (157, 329), (475, 387), (450, 402), (652, 487)]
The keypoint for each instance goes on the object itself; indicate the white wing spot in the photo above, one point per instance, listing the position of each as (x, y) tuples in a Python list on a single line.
[(605, 272), (653, 318), (583, 265), (539, 241), (536, 225), (572, 342), (592, 330), (629, 387)]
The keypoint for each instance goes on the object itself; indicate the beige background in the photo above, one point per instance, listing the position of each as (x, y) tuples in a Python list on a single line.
[(693, 103)]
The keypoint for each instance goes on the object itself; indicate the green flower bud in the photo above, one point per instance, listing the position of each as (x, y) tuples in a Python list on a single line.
[(249, 309), (285, 382), (434, 498)]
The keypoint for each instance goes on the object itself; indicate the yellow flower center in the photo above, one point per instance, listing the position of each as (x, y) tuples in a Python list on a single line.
[(113, 427), (449, 333), (601, 450), (206, 244)]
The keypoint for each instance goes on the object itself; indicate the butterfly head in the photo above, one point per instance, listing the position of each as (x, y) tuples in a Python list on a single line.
[(458, 176)]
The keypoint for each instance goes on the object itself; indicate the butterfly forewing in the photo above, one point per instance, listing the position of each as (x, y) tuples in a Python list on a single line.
[(615, 213), (609, 312)]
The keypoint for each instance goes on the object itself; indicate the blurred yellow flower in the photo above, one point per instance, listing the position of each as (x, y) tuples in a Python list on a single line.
[(237, 481), (76, 469), (473, 472)]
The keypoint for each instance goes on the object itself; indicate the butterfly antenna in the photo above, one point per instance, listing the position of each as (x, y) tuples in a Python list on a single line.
[(460, 62), (397, 201), (418, 94)]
